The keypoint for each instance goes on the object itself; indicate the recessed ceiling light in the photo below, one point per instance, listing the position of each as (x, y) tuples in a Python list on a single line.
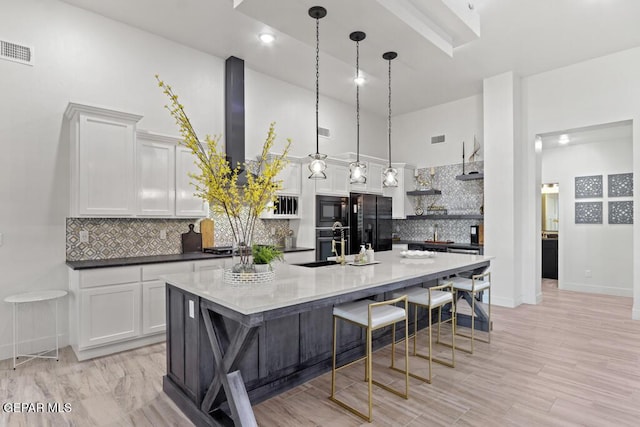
[(564, 139), (267, 38)]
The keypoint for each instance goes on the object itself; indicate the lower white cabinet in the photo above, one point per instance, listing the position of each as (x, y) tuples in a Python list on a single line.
[(109, 313), (153, 307)]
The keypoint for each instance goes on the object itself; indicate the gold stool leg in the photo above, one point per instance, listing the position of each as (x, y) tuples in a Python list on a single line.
[(369, 367), (333, 369)]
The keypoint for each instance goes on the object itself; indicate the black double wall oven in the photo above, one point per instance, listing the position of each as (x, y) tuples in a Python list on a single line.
[(329, 210)]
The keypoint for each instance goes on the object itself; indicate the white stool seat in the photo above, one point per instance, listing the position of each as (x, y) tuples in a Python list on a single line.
[(419, 295), (464, 284), (358, 312)]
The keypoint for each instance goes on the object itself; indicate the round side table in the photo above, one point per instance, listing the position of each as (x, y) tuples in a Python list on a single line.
[(30, 297)]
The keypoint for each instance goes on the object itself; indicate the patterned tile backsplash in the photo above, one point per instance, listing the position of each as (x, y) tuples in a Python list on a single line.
[(129, 237), (458, 197)]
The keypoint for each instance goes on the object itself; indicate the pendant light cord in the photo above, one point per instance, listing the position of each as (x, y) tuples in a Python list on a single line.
[(357, 102), (389, 125), (317, 81)]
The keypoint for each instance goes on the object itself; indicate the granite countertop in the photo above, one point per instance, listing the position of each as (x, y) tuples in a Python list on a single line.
[(156, 259), (295, 284)]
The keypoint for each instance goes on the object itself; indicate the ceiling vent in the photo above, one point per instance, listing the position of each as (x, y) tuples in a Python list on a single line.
[(16, 53), (437, 139), (324, 132)]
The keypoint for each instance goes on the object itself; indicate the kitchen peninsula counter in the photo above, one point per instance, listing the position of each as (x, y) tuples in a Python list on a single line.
[(244, 344)]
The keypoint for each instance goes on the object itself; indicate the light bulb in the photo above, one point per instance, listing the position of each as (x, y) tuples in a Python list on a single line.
[(317, 166), (358, 173), (360, 80), (390, 177)]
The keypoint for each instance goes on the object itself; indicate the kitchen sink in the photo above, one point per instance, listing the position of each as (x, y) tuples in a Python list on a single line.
[(317, 264)]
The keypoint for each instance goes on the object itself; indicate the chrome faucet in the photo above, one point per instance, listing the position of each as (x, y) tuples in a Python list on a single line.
[(339, 258)]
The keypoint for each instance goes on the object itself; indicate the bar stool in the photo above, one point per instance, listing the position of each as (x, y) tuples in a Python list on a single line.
[(432, 298), (31, 297), (474, 285), (370, 315)]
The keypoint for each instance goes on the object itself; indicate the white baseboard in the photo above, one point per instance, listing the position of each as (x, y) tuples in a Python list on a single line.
[(598, 289), (635, 312), (504, 302), (34, 346), (104, 350)]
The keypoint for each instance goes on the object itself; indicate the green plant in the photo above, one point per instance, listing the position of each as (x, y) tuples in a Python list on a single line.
[(263, 254)]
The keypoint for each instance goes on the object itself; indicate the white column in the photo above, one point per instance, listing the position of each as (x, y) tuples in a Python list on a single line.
[(501, 182), (635, 313)]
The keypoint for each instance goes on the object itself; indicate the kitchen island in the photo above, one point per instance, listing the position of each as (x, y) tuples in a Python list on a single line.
[(232, 346)]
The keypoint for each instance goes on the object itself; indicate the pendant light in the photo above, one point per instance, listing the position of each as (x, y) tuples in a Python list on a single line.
[(390, 174), (317, 165), (357, 169)]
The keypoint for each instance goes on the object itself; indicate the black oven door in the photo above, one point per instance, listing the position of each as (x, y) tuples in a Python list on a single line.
[(330, 209)]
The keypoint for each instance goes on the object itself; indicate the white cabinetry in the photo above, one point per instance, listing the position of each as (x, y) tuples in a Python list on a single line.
[(102, 161), (290, 176), (374, 180), (337, 182), (187, 205), (109, 313), (401, 205), (156, 186), (118, 308)]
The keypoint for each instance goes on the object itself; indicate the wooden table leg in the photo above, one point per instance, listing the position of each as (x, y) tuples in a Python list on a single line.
[(227, 381)]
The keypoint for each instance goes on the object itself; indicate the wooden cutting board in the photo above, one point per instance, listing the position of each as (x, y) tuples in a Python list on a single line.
[(206, 229), (191, 241)]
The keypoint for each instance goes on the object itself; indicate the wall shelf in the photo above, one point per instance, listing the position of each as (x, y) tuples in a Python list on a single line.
[(431, 192), (470, 176), (463, 216)]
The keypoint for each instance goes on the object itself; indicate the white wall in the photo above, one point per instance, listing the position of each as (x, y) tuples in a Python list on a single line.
[(602, 90), (604, 249), (83, 57), (459, 121)]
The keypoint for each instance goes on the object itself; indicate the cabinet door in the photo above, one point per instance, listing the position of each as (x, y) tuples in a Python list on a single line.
[(340, 182), (290, 177), (109, 314), (153, 307), (374, 178), (106, 176), (187, 204), (156, 183)]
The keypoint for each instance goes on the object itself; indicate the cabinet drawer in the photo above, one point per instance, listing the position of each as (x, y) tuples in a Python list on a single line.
[(154, 271), (213, 264), (109, 276)]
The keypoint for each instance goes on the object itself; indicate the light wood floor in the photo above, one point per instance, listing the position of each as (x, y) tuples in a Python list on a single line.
[(572, 360)]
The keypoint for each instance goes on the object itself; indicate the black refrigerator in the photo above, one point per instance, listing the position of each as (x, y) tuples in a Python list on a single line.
[(370, 222)]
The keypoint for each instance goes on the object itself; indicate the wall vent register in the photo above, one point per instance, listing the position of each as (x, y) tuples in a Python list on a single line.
[(16, 53)]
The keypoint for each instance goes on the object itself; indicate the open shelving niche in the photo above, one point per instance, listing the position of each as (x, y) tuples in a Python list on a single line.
[(434, 192)]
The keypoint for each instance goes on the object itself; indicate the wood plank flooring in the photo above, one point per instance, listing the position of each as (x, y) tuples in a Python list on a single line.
[(572, 360)]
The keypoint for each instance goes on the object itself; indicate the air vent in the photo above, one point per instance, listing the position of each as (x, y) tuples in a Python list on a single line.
[(16, 53), (437, 139), (324, 132)]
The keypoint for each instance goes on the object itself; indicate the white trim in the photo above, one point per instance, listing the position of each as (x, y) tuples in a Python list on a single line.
[(598, 289)]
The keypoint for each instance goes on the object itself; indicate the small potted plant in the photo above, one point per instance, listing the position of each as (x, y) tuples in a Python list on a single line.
[(263, 255)]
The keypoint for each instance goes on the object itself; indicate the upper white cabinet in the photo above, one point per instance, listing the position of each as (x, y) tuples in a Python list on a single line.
[(156, 174), (401, 205), (187, 204), (290, 176), (102, 161), (374, 180), (337, 182)]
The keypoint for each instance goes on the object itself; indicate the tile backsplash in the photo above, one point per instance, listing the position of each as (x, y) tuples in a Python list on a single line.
[(458, 197), (129, 237)]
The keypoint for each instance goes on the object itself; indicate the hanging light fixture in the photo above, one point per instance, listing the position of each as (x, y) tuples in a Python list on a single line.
[(390, 174), (358, 170), (317, 165)]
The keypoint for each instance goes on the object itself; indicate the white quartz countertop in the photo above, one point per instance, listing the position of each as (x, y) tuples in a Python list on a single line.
[(296, 285)]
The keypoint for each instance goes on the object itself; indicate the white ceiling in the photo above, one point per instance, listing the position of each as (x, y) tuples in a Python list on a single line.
[(526, 36)]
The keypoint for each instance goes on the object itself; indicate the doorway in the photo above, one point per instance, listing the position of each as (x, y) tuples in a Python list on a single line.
[(550, 220)]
